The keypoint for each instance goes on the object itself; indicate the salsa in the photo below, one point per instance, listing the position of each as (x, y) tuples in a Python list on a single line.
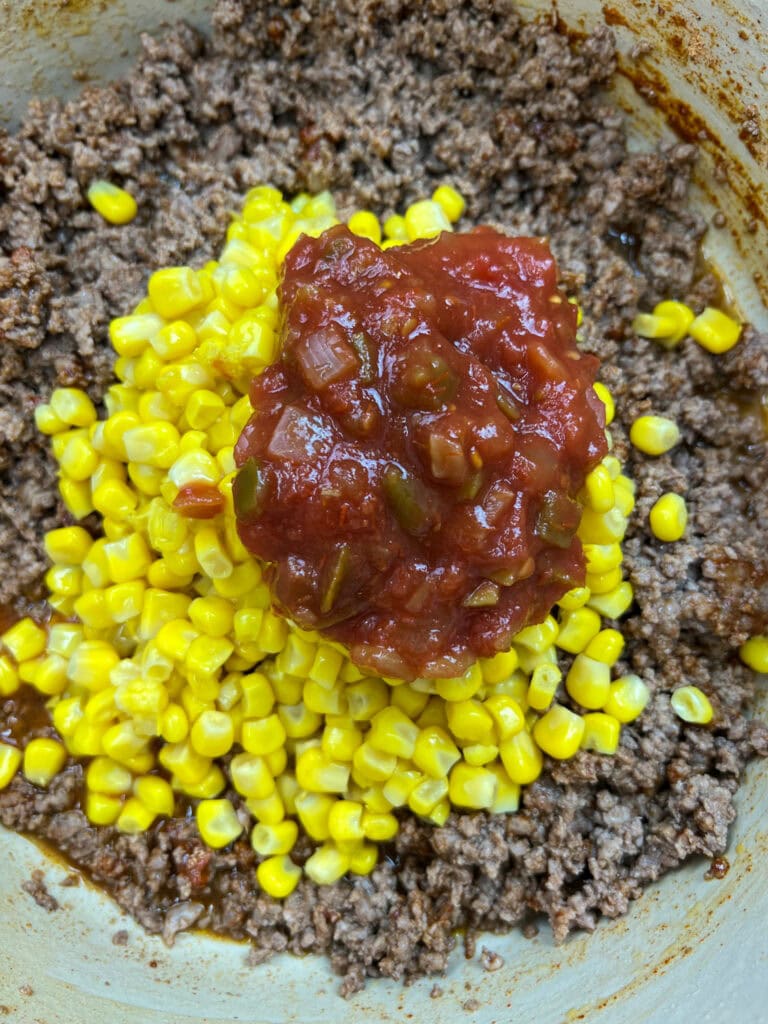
[(411, 467)]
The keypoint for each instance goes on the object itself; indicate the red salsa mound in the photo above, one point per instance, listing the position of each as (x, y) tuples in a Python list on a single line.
[(411, 466)]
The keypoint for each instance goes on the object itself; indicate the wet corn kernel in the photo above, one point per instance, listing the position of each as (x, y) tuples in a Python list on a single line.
[(393, 732), (606, 398), (217, 823), (272, 840), (668, 517), (113, 203), (506, 713), (627, 699), (435, 753), (521, 758), (278, 876), (654, 435), (606, 646), (754, 653), (107, 776), (102, 809), (366, 224), (715, 331), (601, 733), (692, 705), (472, 787), (43, 760), (425, 219), (615, 603), (426, 795), (588, 681), (326, 865), (24, 640), (542, 688), (10, 761), (559, 732), (134, 817), (9, 677), (155, 794), (450, 201)]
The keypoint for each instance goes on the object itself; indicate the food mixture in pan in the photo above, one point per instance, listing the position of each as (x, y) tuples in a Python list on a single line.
[(320, 438)]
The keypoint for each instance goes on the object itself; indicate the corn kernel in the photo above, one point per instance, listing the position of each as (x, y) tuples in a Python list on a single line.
[(122, 742), (155, 794), (754, 653), (715, 331), (545, 680), (46, 420), (627, 699), (606, 646), (606, 398), (277, 839), (341, 737), (101, 809), (426, 794), (217, 823), (450, 202), (9, 677), (435, 753), (471, 786), (588, 681), (134, 817), (559, 732), (212, 734), (379, 827), (91, 664), (326, 865), (10, 760), (24, 640), (468, 720), (692, 705), (572, 600), (43, 759), (537, 638), (600, 558), (395, 229), (113, 203), (269, 810), (366, 698), (174, 725), (317, 774), (601, 733), (313, 810), (107, 776), (345, 821), (521, 758), (654, 435), (615, 603), (278, 876), (372, 765), (392, 732), (425, 219), (400, 785), (366, 225), (669, 517)]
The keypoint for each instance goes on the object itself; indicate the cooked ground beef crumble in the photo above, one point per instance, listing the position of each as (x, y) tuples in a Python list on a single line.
[(379, 101)]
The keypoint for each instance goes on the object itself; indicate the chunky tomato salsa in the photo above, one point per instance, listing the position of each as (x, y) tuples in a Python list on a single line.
[(411, 467)]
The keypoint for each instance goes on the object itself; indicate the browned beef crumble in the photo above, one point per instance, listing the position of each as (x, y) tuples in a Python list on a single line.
[(378, 101)]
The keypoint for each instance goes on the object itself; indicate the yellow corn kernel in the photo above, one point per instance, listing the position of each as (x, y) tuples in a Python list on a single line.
[(426, 794), (91, 609), (692, 705), (627, 699), (272, 840), (217, 823), (141, 763), (68, 545), (9, 677), (134, 817), (212, 615), (183, 762), (615, 603), (395, 229), (425, 219), (107, 776), (152, 444), (326, 865), (559, 732), (46, 420), (521, 758), (175, 291), (174, 725), (400, 785), (78, 459), (667, 324), (606, 646), (537, 638), (102, 809), (374, 799), (211, 785), (598, 490), (101, 708), (207, 654), (654, 435), (64, 638), (506, 713), (340, 738), (278, 876), (471, 786), (258, 698), (479, 754), (174, 638), (371, 765), (602, 557), (213, 559), (715, 331), (269, 810), (366, 225), (28, 670), (326, 665), (115, 499), (43, 759), (251, 777), (601, 733), (606, 398), (10, 760), (507, 799), (313, 810), (122, 742), (572, 600), (317, 774), (345, 821), (24, 640), (577, 629), (392, 732), (114, 204), (203, 408), (588, 681), (263, 736), (754, 653), (435, 753), (601, 528), (668, 517), (468, 720), (499, 667), (156, 794), (124, 601), (127, 558), (147, 479), (439, 813), (91, 664), (380, 827), (450, 202), (212, 734), (545, 680), (67, 715), (77, 497), (366, 698), (410, 701)]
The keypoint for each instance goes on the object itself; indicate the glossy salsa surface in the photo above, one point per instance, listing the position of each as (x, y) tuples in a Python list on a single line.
[(411, 466)]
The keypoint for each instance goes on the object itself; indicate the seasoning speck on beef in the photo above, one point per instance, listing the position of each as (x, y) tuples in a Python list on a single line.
[(516, 117)]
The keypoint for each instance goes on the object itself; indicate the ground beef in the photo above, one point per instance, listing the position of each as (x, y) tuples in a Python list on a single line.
[(378, 101)]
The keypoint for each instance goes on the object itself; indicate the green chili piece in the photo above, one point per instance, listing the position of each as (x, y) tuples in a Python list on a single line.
[(486, 595), (409, 501), (335, 572), (250, 490)]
